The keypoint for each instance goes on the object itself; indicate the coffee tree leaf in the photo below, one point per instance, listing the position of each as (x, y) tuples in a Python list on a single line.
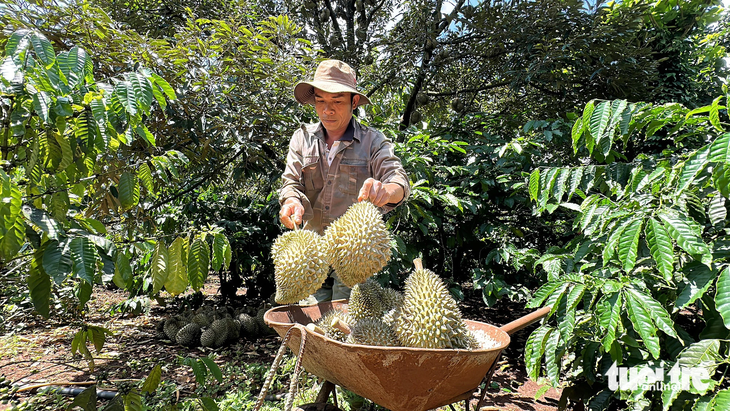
[(720, 149), (534, 184), (697, 280), (722, 296), (72, 64), (642, 322), (122, 271), (55, 262), (145, 177), (661, 248), (691, 168), (215, 371), (609, 317), (685, 234), (39, 285), (177, 276), (599, 121), (198, 263), (159, 267), (534, 350), (86, 399), (84, 256), (657, 313), (153, 380), (133, 401), (43, 48), (629, 243), (128, 190)]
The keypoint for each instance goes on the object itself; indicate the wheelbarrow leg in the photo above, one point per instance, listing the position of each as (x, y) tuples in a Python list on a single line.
[(324, 392), (487, 379)]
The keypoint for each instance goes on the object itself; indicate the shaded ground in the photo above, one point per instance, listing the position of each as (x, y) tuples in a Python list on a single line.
[(40, 353)]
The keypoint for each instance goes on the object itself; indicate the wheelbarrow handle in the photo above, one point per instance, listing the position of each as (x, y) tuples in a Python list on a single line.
[(523, 322)]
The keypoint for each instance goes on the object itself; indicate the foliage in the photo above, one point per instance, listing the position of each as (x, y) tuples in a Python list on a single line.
[(644, 280)]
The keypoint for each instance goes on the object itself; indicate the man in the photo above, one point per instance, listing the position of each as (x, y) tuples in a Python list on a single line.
[(336, 162)]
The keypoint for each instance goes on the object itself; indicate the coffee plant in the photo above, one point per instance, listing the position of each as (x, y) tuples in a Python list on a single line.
[(645, 282)]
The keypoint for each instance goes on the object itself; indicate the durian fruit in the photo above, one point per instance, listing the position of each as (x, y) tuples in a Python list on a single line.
[(358, 243), (221, 328), (201, 319), (366, 300), (390, 299), (262, 327), (325, 323), (372, 331), (429, 316), (172, 326), (189, 335), (300, 266), (249, 326), (208, 338)]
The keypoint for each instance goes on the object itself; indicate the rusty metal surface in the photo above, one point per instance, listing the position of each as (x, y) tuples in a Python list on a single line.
[(397, 378)]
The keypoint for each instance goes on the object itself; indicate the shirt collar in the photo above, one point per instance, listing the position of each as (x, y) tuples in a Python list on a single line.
[(349, 132)]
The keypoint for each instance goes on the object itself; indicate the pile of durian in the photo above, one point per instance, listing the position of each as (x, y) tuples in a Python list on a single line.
[(213, 328), (356, 246), (424, 316)]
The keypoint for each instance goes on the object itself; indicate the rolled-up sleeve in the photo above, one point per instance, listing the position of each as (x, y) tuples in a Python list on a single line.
[(387, 167)]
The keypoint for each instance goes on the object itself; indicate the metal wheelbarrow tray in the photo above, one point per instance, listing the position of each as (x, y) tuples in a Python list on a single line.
[(397, 378)]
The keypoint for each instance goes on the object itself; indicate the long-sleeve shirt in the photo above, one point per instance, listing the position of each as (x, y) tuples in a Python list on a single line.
[(327, 189)]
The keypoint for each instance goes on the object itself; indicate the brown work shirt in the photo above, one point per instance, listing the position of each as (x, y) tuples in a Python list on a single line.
[(326, 191)]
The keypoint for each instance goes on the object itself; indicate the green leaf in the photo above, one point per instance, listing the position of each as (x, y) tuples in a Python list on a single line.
[(613, 238), (659, 316), (164, 86), (12, 227), (686, 236), (41, 104), (98, 111), (39, 285), (18, 43), (43, 48), (133, 401), (158, 267), (692, 167), (629, 243), (142, 91), (609, 317), (66, 152), (199, 370), (722, 400), (122, 271), (86, 399), (576, 133), (715, 115), (721, 180), (661, 247), (125, 95), (128, 190), (698, 279), (153, 380), (84, 133), (143, 132), (220, 243), (552, 358), (599, 120), (72, 64), (145, 176), (576, 177), (213, 367), (84, 256), (722, 297), (534, 184), (534, 350), (643, 325), (720, 149), (198, 263), (177, 275), (717, 210), (704, 353), (55, 263)]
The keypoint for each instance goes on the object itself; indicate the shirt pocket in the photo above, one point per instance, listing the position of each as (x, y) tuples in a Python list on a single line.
[(353, 173), (312, 175)]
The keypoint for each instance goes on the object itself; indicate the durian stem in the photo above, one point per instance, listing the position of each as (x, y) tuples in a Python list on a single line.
[(272, 371), (340, 325), (315, 328), (418, 264)]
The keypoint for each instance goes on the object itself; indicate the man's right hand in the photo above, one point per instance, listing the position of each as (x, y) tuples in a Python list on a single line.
[(291, 213)]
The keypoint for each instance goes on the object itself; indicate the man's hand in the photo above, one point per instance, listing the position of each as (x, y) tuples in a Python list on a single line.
[(291, 213), (380, 194)]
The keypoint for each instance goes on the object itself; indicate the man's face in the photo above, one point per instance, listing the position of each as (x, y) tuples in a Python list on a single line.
[(334, 110)]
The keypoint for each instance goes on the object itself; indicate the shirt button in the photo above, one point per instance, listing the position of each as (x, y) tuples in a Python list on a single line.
[(326, 207), (329, 182)]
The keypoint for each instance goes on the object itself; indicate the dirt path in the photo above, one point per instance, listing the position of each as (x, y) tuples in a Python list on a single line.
[(39, 352)]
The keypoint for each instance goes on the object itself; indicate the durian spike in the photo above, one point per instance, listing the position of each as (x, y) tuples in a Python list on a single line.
[(296, 227), (418, 264), (340, 325)]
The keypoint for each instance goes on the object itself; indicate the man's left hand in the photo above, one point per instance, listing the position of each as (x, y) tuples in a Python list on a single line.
[(380, 194)]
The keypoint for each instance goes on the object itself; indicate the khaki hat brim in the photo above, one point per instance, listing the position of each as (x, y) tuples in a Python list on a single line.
[(304, 91)]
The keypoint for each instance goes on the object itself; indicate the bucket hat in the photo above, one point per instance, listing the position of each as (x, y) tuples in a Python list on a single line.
[(332, 76)]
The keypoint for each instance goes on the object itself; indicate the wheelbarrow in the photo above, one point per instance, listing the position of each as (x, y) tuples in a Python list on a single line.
[(396, 378)]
